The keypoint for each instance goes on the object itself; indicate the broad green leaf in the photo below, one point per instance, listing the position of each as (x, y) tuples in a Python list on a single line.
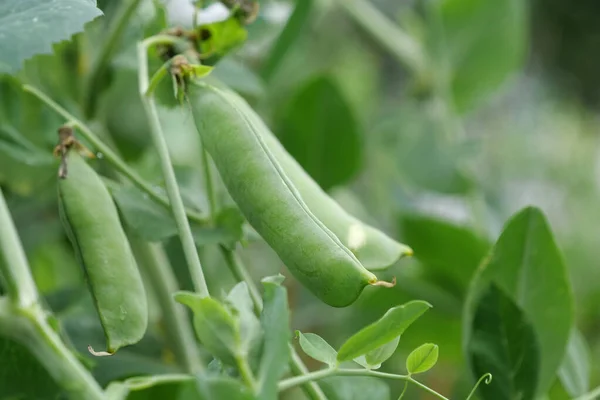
[(222, 387), (215, 326), (450, 251), (482, 42), (176, 387), (293, 29), (574, 372), (316, 347), (376, 357), (29, 27), (355, 388), (527, 265), (275, 321), (393, 323), (422, 359), (320, 130), (250, 329), (503, 343)]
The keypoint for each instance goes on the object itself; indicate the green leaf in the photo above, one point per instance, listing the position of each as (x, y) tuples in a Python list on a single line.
[(320, 130), (221, 38), (376, 357), (482, 42), (176, 387), (355, 388), (15, 145), (275, 321), (222, 387), (215, 326), (250, 329), (574, 372), (393, 323), (503, 343), (316, 347), (29, 27), (528, 266), (422, 359)]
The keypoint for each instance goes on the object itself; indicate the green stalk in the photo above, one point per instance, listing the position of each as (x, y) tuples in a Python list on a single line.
[(110, 155), (154, 261), (109, 46), (177, 207)]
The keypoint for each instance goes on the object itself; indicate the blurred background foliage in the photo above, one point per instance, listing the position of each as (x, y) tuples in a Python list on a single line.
[(495, 110)]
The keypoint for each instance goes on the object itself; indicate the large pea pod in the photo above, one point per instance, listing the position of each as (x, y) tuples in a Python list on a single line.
[(270, 201), (92, 223)]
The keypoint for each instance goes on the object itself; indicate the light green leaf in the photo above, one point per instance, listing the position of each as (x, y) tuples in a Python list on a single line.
[(503, 343), (574, 372), (275, 321), (29, 27), (215, 327), (376, 357), (528, 266), (316, 347), (393, 323), (274, 279), (422, 359), (250, 329)]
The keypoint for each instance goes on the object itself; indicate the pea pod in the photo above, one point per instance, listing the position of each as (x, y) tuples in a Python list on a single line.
[(92, 223), (373, 248), (270, 201)]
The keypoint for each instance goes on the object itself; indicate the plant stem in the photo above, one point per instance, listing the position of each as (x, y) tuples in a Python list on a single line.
[(324, 373), (13, 266), (110, 156), (401, 45), (178, 329), (29, 327), (240, 272), (177, 207), (109, 46), (246, 373)]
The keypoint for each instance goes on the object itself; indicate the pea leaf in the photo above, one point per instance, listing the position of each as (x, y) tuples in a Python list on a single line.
[(275, 321), (422, 359), (316, 347), (393, 323), (215, 326), (574, 372), (250, 329), (376, 357), (222, 387), (29, 27), (355, 388), (16, 146), (172, 386), (503, 342), (528, 266), (320, 130)]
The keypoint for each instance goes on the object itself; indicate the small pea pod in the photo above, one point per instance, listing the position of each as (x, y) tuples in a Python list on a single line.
[(92, 223), (270, 201)]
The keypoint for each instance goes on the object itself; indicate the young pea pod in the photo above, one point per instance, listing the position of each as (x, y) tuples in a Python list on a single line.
[(92, 223), (373, 248), (270, 201)]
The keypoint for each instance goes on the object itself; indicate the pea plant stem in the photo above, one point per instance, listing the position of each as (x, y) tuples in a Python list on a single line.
[(14, 267), (155, 263), (240, 272), (177, 207), (110, 155), (324, 373), (109, 46)]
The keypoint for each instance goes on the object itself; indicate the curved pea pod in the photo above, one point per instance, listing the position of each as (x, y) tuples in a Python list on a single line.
[(271, 203), (373, 248), (92, 223)]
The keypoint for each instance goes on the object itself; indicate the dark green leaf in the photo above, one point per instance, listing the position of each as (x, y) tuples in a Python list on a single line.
[(422, 359), (528, 266), (221, 387), (29, 27), (393, 323), (376, 357), (215, 326), (503, 343), (275, 321), (574, 372), (316, 347), (355, 388), (483, 42), (320, 130)]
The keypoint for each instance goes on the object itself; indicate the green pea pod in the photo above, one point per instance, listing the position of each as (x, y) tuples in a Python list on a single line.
[(92, 223), (271, 203)]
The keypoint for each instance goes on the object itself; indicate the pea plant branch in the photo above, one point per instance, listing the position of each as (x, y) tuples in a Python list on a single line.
[(177, 207), (110, 155), (23, 319)]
